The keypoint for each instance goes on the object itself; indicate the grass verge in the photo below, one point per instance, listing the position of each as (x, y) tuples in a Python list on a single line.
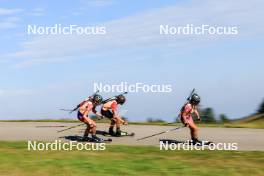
[(15, 159)]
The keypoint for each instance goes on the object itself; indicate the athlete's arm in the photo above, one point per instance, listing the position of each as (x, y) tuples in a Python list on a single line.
[(197, 114), (89, 107), (98, 114), (115, 114)]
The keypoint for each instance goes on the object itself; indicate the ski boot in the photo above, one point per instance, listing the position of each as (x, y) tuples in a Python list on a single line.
[(118, 132), (111, 131), (197, 142)]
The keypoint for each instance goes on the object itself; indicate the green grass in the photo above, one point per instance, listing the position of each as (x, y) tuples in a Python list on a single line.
[(127, 160), (253, 121)]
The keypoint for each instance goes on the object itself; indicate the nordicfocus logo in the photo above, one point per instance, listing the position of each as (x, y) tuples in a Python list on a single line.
[(137, 87), (188, 146), (65, 146), (58, 29), (204, 29)]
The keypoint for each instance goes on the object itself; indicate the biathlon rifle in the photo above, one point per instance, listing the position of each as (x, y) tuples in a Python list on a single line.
[(113, 98), (77, 107), (191, 94)]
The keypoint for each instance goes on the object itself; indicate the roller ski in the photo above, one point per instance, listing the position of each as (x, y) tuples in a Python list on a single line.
[(96, 139), (171, 141), (118, 134), (191, 142), (199, 143)]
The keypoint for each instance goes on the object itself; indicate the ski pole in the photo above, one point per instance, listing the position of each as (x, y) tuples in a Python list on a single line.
[(70, 128), (156, 134), (66, 109), (43, 126)]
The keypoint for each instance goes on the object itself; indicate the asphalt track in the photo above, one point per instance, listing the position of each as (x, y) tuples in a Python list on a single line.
[(247, 139)]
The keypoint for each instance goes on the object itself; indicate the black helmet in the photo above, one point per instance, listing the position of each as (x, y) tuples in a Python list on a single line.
[(195, 99), (97, 99), (121, 99)]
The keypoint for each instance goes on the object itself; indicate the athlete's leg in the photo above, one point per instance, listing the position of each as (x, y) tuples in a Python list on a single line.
[(111, 128), (87, 131), (82, 118), (193, 128), (91, 125), (118, 121), (109, 115)]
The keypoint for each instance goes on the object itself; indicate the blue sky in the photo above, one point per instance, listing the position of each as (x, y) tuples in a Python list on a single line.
[(40, 74)]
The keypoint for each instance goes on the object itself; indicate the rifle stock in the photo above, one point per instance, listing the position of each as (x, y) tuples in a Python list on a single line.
[(113, 98)]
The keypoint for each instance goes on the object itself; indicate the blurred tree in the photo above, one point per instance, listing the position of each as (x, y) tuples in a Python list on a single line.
[(223, 118), (154, 120), (159, 120), (207, 115), (261, 107), (150, 119)]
